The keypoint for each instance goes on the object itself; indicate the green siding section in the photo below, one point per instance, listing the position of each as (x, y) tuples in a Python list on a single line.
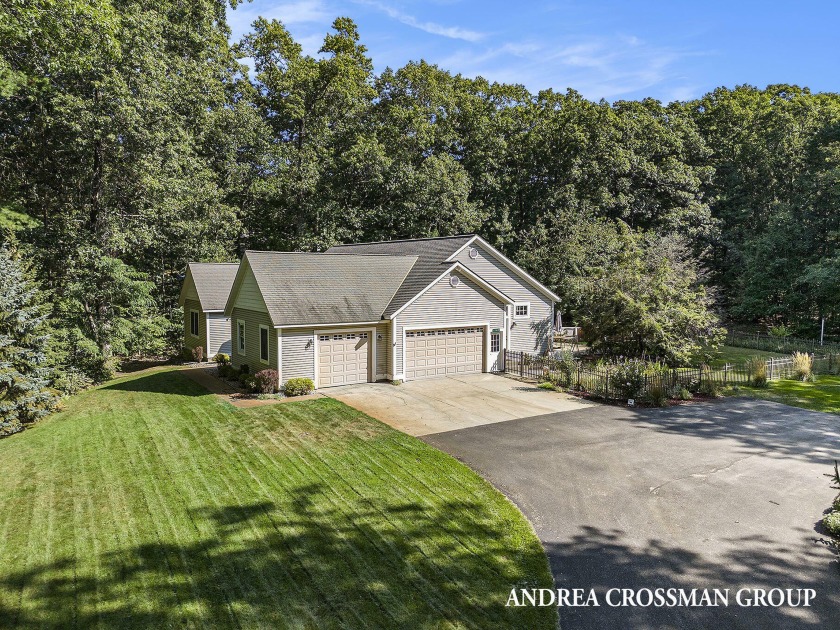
[(189, 340), (252, 320)]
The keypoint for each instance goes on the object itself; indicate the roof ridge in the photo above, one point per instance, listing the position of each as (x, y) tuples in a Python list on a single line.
[(408, 240), (380, 255), (195, 262)]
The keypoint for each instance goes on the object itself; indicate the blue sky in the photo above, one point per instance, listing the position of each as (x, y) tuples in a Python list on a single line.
[(670, 50)]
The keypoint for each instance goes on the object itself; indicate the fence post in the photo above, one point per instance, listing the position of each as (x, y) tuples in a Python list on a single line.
[(522, 364)]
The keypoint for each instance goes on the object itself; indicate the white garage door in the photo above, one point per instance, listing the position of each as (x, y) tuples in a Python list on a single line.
[(343, 358), (443, 352)]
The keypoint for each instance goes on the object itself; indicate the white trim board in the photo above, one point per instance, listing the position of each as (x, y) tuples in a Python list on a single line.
[(331, 324), (507, 261)]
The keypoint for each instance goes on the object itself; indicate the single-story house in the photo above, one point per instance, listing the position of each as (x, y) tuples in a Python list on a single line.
[(395, 310), (204, 294)]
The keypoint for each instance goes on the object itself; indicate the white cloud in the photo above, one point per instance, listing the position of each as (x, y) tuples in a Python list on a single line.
[(597, 67), (290, 13), (452, 32)]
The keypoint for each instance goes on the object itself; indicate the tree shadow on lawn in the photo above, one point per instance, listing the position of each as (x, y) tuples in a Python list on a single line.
[(163, 382), (775, 429), (604, 558), (304, 563)]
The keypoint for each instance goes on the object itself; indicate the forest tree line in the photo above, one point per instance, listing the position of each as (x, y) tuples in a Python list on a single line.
[(133, 139)]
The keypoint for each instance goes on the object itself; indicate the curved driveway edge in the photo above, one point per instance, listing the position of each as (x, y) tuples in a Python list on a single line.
[(725, 494)]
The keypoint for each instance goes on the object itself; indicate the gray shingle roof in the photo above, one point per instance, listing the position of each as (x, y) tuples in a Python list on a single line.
[(213, 282), (431, 256), (303, 288)]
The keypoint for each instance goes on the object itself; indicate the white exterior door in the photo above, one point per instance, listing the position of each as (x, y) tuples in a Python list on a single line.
[(443, 352), (343, 358), (494, 357)]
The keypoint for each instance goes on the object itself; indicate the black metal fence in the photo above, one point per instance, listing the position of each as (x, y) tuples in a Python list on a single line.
[(612, 383)]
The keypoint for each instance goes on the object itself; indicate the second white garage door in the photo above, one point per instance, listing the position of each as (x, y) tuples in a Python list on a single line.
[(443, 352), (343, 358)]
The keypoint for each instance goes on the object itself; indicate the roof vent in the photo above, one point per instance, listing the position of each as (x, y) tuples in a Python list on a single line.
[(473, 253), (454, 281)]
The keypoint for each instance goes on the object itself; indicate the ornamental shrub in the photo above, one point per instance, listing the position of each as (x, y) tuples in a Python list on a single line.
[(222, 359), (248, 382), (628, 378), (803, 366), (656, 395), (198, 353), (298, 387), (756, 368), (564, 367), (832, 522), (266, 381)]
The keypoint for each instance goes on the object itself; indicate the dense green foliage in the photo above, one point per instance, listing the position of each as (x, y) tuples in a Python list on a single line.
[(150, 503), (132, 140), (25, 393)]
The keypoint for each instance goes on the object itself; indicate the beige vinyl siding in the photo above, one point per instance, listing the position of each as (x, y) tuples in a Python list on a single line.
[(219, 334), (249, 296), (444, 305), (189, 340), (298, 356), (253, 320), (189, 291), (383, 350), (298, 350), (528, 335)]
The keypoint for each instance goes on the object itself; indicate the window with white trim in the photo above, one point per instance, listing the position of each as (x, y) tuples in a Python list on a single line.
[(240, 336), (495, 342), (264, 344), (194, 323), (522, 310)]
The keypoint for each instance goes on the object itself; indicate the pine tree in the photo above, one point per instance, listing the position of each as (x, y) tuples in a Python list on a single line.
[(25, 395)]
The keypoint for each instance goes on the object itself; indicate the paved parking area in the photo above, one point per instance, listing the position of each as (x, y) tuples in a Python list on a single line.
[(445, 404), (725, 494)]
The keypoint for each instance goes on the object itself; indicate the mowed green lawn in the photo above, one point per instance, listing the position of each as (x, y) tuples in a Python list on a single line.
[(737, 356), (149, 503), (821, 395)]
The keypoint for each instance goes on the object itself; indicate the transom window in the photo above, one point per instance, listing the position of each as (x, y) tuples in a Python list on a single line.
[(523, 309), (441, 332), (194, 323)]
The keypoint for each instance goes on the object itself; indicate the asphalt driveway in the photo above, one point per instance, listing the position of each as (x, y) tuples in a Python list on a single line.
[(455, 402), (723, 495)]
